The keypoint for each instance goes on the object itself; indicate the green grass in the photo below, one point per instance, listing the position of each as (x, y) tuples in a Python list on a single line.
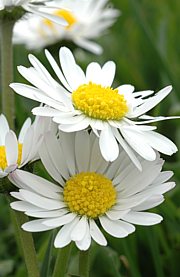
[(144, 43)]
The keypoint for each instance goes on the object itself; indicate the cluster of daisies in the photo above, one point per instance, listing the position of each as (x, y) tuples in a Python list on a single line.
[(94, 140)]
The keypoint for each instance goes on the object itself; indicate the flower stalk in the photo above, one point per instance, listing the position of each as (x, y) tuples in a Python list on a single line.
[(24, 239), (8, 106), (26, 243), (62, 260), (84, 263)]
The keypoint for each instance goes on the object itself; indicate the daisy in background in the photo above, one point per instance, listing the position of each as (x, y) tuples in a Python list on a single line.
[(91, 192), (17, 152), (87, 20), (88, 99), (34, 6)]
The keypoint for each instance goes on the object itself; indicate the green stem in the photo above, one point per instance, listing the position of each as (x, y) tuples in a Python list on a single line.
[(26, 244), (62, 260), (8, 107), (84, 263)]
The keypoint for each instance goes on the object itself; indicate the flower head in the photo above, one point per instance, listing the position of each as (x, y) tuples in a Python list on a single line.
[(17, 152), (91, 191), (86, 20), (83, 100)]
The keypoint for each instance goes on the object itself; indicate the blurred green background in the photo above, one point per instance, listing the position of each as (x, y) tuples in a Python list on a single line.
[(145, 44)]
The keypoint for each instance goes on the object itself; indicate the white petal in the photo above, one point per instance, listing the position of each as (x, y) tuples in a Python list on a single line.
[(149, 203), (82, 150), (138, 142), (68, 146), (160, 143), (56, 92), (96, 234), (27, 146), (74, 75), (163, 177), (29, 178), (35, 226), (79, 230), (116, 214), (93, 73), (69, 119), (42, 71), (115, 227), (23, 206), (11, 145), (4, 129), (136, 181), (108, 145), (75, 127), (35, 94), (124, 89), (16, 194), (152, 101), (151, 119), (96, 157), (59, 221), (40, 201), (41, 11), (108, 72), (89, 45), (3, 174), (143, 218), (37, 184), (24, 129), (85, 243), (45, 214), (160, 189), (48, 163), (128, 150), (97, 124), (63, 237), (46, 111), (56, 154), (57, 69)]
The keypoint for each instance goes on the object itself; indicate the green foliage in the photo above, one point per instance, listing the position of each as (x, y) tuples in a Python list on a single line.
[(144, 43)]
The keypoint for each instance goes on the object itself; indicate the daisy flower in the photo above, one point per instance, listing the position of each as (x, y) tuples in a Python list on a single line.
[(34, 6), (91, 192), (17, 152), (88, 99), (87, 20)]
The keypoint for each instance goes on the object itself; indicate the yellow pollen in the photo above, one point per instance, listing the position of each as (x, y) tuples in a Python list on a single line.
[(99, 102), (90, 194), (3, 161), (68, 16)]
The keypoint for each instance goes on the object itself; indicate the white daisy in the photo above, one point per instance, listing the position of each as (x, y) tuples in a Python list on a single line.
[(115, 115), (91, 191), (34, 6), (87, 20), (17, 152)]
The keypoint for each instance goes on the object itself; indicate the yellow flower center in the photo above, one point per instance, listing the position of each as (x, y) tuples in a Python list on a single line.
[(90, 194), (67, 15), (99, 102), (3, 160)]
